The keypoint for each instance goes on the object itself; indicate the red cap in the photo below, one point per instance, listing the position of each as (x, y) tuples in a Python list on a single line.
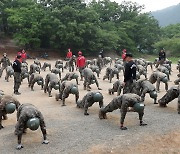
[(124, 50)]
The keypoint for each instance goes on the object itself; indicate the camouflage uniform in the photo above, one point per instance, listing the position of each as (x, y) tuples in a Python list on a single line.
[(56, 71), (69, 77), (6, 99), (45, 65), (107, 60), (110, 72), (100, 62), (65, 90), (149, 63), (172, 93), (157, 77), (50, 82), (117, 87), (122, 102), (144, 86), (142, 70), (9, 72), (34, 68), (5, 62), (168, 67), (24, 74), (178, 66), (89, 77), (88, 62), (177, 81), (119, 67), (59, 64), (72, 63), (24, 113), (88, 101), (24, 65), (37, 62), (35, 77), (95, 69), (163, 69)]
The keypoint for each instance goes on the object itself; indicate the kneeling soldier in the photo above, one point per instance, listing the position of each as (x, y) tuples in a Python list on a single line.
[(110, 72), (34, 68), (56, 71), (89, 99), (123, 102), (70, 76), (28, 116), (8, 104), (67, 87), (35, 77), (117, 86)]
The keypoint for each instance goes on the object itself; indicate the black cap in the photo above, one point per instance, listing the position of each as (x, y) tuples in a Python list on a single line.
[(129, 55)]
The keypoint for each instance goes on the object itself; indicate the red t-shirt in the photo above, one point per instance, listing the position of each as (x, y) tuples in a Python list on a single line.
[(69, 54), (81, 61)]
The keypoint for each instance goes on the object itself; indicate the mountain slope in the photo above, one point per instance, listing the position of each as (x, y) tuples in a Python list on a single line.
[(167, 16)]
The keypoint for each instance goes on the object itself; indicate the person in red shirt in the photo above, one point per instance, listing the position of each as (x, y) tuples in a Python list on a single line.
[(81, 63), (124, 56), (69, 54), (23, 55)]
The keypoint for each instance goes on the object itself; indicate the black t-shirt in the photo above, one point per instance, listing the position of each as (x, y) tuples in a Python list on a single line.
[(130, 71), (17, 66), (162, 55)]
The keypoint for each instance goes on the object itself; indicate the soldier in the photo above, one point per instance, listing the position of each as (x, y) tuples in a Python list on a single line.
[(24, 74), (177, 81), (119, 67), (9, 72), (158, 77), (117, 87), (100, 62), (72, 63), (143, 86), (37, 62), (150, 64), (89, 78), (17, 75), (51, 81), (142, 70), (89, 99), (24, 65), (5, 62), (172, 93), (95, 69), (36, 78), (34, 68), (67, 87), (162, 58), (56, 71), (123, 102), (28, 116), (8, 104), (70, 76), (59, 64), (163, 69), (107, 60), (110, 72), (45, 65), (89, 62)]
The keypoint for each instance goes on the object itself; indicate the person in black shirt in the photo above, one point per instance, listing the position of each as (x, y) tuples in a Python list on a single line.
[(17, 74), (162, 57), (129, 74)]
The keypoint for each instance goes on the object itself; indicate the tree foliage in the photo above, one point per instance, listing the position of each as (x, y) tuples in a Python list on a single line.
[(61, 24)]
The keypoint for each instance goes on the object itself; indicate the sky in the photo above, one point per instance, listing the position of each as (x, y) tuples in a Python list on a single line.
[(154, 5)]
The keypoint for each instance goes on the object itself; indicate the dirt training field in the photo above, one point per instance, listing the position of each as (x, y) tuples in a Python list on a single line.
[(69, 131)]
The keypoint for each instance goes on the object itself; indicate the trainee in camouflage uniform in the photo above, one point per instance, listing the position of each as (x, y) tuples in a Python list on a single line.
[(107, 60), (70, 76), (51, 81), (95, 69), (26, 112), (4, 100), (100, 62), (172, 93), (117, 87), (140, 62), (144, 86), (59, 64), (9, 72), (34, 68), (119, 67), (149, 63), (5, 62), (123, 102), (24, 74), (168, 67), (37, 62), (66, 89), (158, 77), (45, 65), (72, 63), (89, 62), (163, 69), (110, 72), (177, 81), (56, 71), (142, 70), (88, 100), (89, 78), (24, 65), (36, 78)]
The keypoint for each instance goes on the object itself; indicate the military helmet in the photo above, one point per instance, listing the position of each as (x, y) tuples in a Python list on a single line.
[(26, 75), (10, 107), (33, 123), (138, 107), (39, 82), (92, 81), (165, 79), (97, 97), (116, 71), (56, 86), (74, 90), (75, 76), (153, 94)]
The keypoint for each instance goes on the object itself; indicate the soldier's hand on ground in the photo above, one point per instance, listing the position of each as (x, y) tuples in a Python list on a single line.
[(1, 127), (19, 147), (45, 142)]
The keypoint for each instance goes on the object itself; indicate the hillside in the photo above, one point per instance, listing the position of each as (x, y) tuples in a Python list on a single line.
[(167, 16)]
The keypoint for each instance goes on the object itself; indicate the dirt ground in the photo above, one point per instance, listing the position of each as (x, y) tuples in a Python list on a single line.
[(69, 131)]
